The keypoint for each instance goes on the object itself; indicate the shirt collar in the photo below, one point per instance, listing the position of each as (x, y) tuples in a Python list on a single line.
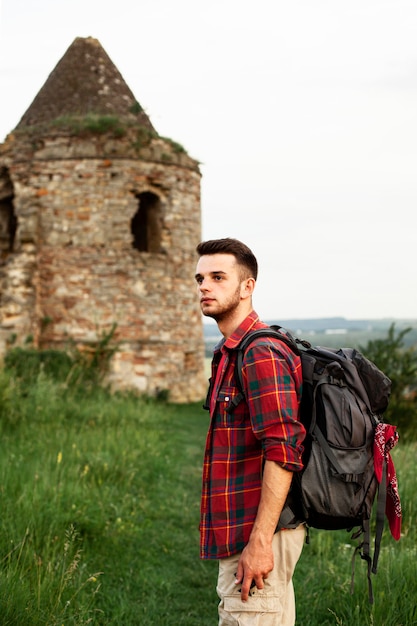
[(238, 334)]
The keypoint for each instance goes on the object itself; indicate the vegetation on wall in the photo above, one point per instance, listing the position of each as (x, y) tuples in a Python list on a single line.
[(91, 124), (136, 108), (176, 147), (143, 137), (137, 135)]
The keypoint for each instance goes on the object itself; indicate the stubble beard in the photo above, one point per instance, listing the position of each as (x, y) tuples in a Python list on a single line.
[(227, 309)]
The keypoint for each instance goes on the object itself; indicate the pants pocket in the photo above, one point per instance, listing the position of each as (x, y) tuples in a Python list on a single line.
[(259, 602)]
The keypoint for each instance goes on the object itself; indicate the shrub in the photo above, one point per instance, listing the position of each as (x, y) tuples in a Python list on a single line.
[(25, 364), (400, 364)]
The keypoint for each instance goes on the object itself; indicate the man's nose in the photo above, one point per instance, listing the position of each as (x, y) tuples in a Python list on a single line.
[(204, 285)]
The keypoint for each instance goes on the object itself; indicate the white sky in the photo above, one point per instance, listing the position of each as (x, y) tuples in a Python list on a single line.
[(303, 114)]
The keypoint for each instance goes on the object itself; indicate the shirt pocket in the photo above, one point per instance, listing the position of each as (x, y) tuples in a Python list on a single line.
[(230, 409)]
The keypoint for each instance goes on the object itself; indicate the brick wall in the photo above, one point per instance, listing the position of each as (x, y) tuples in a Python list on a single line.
[(74, 272)]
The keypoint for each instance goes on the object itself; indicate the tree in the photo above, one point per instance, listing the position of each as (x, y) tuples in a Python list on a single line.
[(400, 364)]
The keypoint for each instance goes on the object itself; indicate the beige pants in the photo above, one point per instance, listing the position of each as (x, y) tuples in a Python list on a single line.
[(274, 605)]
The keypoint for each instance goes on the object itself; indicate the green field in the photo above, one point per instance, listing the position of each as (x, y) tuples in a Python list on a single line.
[(99, 499)]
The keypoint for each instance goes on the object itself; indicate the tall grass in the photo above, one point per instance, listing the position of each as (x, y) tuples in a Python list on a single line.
[(99, 511)]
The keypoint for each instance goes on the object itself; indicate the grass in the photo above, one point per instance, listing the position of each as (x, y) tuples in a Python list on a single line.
[(91, 124), (99, 501)]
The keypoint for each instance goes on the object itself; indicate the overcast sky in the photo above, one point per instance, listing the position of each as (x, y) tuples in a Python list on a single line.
[(303, 114)]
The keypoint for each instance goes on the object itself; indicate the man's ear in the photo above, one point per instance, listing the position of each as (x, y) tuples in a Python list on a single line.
[(247, 287)]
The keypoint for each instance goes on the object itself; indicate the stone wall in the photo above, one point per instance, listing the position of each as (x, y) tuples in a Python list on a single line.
[(73, 270)]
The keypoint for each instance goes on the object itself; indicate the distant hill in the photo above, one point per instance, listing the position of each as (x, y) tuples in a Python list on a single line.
[(331, 331)]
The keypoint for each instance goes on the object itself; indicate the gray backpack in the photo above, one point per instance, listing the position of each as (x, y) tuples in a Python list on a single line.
[(343, 397)]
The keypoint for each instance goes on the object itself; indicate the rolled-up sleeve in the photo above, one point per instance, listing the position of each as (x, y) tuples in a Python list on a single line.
[(272, 376)]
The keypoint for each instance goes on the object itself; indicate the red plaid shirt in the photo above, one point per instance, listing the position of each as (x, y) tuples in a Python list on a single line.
[(263, 426)]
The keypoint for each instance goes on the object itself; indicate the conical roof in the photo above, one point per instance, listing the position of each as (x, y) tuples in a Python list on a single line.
[(84, 82)]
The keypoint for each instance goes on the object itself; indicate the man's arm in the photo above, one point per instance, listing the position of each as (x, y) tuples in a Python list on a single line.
[(257, 558), (272, 379)]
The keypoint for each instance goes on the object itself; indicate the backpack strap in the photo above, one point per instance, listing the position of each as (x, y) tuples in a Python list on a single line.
[(364, 547), (206, 405), (272, 331), (380, 516)]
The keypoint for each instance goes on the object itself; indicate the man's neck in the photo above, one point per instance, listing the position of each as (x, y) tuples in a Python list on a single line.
[(228, 325)]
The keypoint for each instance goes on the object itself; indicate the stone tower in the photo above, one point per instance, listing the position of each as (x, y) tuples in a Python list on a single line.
[(99, 219)]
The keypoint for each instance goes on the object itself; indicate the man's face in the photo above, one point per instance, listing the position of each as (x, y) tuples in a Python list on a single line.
[(219, 281)]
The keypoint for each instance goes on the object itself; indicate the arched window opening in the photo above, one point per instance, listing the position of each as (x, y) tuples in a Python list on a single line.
[(146, 224), (8, 220)]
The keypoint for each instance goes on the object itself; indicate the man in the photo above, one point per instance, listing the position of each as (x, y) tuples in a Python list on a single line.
[(251, 451)]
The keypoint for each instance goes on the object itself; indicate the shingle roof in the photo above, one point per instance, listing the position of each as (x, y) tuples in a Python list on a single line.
[(85, 81)]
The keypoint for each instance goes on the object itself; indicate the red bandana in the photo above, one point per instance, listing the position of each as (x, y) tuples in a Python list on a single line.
[(386, 438)]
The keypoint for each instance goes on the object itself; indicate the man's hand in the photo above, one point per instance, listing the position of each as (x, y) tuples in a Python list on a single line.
[(254, 565), (257, 559)]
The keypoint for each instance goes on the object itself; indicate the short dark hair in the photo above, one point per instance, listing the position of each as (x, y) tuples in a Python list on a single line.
[(244, 255)]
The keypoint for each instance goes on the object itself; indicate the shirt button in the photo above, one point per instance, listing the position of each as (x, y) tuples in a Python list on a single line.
[(227, 398)]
